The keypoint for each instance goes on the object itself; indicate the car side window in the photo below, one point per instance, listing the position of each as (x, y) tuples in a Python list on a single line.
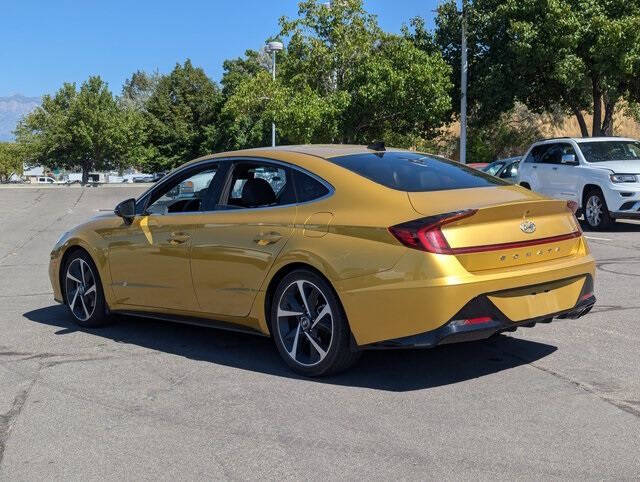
[(189, 192), (510, 171), (257, 185), (494, 168), (537, 152), (567, 149), (552, 155), (308, 188)]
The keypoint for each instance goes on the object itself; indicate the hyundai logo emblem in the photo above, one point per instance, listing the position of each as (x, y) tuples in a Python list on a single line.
[(528, 226)]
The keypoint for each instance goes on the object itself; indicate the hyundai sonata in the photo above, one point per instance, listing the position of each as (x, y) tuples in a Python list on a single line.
[(330, 250)]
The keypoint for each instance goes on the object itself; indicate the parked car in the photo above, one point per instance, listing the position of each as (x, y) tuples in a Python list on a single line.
[(143, 178), (330, 250), (46, 180), (601, 174), (506, 169), (478, 165)]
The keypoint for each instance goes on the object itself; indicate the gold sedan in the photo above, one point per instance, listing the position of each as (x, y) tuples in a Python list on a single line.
[(330, 250)]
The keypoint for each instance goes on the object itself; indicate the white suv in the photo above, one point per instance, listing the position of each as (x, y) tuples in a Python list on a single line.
[(601, 174)]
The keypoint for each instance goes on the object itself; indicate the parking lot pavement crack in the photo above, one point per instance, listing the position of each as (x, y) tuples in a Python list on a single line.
[(623, 405), (52, 363), (7, 420)]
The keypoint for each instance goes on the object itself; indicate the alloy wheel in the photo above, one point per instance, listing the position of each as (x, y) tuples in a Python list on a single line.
[(593, 211), (80, 287), (305, 323)]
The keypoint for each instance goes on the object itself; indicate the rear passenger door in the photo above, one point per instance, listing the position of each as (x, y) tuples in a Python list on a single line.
[(237, 244)]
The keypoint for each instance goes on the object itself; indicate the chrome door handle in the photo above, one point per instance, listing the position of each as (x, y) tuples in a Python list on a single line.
[(179, 238), (535, 167), (264, 239), (554, 168)]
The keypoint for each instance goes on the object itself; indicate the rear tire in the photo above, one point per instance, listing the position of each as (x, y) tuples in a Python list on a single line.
[(525, 185), (83, 294), (309, 326), (596, 212)]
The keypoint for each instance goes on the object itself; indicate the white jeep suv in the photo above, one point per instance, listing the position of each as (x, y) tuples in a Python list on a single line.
[(601, 174)]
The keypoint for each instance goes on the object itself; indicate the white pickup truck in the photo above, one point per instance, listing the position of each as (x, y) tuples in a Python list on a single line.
[(601, 174)]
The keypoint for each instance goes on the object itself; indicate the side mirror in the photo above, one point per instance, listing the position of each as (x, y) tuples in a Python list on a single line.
[(568, 159), (126, 210)]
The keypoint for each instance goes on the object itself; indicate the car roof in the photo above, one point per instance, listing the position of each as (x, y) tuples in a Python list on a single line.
[(584, 139), (283, 153), (325, 151)]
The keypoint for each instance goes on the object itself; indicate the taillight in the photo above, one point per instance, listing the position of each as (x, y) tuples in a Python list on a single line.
[(426, 233)]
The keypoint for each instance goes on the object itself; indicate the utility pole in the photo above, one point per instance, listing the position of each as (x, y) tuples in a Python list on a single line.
[(463, 88)]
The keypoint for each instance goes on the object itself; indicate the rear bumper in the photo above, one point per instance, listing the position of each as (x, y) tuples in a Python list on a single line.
[(422, 293), (454, 332)]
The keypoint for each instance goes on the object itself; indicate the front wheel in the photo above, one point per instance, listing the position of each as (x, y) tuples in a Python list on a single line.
[(83, 291), (309, 326), (596, 213)]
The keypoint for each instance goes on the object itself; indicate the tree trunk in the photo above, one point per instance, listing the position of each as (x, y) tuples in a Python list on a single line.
[(597, 109), (85, 172), (581, 122), (607, 123)]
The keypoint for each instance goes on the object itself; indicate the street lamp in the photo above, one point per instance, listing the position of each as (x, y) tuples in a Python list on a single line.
[(273, 47)]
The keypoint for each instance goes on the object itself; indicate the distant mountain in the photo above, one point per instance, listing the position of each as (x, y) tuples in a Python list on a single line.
[(12, 109)]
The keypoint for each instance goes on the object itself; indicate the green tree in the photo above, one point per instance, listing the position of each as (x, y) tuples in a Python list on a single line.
[(77, 129), (577, 55), (182, 117), (340, 79), (137, 90), (10, 160)]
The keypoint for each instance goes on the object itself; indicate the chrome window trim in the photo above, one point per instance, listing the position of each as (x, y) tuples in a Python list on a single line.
[(180, 170)]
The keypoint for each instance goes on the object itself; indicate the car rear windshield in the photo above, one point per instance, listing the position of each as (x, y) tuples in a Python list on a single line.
[(415, 172), (602, 151)]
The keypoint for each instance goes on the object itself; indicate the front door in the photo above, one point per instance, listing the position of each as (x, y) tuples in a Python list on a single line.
[(236, 246), (565, 183), (149, 259), (544, 168)]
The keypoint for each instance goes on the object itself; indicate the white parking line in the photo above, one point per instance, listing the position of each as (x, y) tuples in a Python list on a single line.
[(599, 239)]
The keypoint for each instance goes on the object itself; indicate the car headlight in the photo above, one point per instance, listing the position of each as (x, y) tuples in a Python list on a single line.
[(624, 178)]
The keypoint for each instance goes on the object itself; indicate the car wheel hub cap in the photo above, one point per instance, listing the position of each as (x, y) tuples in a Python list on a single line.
[(305, 323), (80, 289), (594, 210)]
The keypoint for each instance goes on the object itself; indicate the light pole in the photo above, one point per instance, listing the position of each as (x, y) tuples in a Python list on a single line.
[(273, 47), (463, 88)]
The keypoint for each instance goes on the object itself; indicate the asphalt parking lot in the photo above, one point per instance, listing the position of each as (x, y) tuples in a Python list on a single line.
[(151, 400)]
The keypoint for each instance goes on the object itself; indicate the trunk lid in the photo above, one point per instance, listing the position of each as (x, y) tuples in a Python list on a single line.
[(512, 226)]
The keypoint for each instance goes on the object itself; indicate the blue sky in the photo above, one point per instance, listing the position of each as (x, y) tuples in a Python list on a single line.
[(45, 43)]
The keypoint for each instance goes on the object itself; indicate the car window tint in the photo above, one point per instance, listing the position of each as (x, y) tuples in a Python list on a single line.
[(566, 149), (537, 152), (494, 168), (552, 155), (415, 172), (185, 194), (510, 171), (308, 188), (258, 184)]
